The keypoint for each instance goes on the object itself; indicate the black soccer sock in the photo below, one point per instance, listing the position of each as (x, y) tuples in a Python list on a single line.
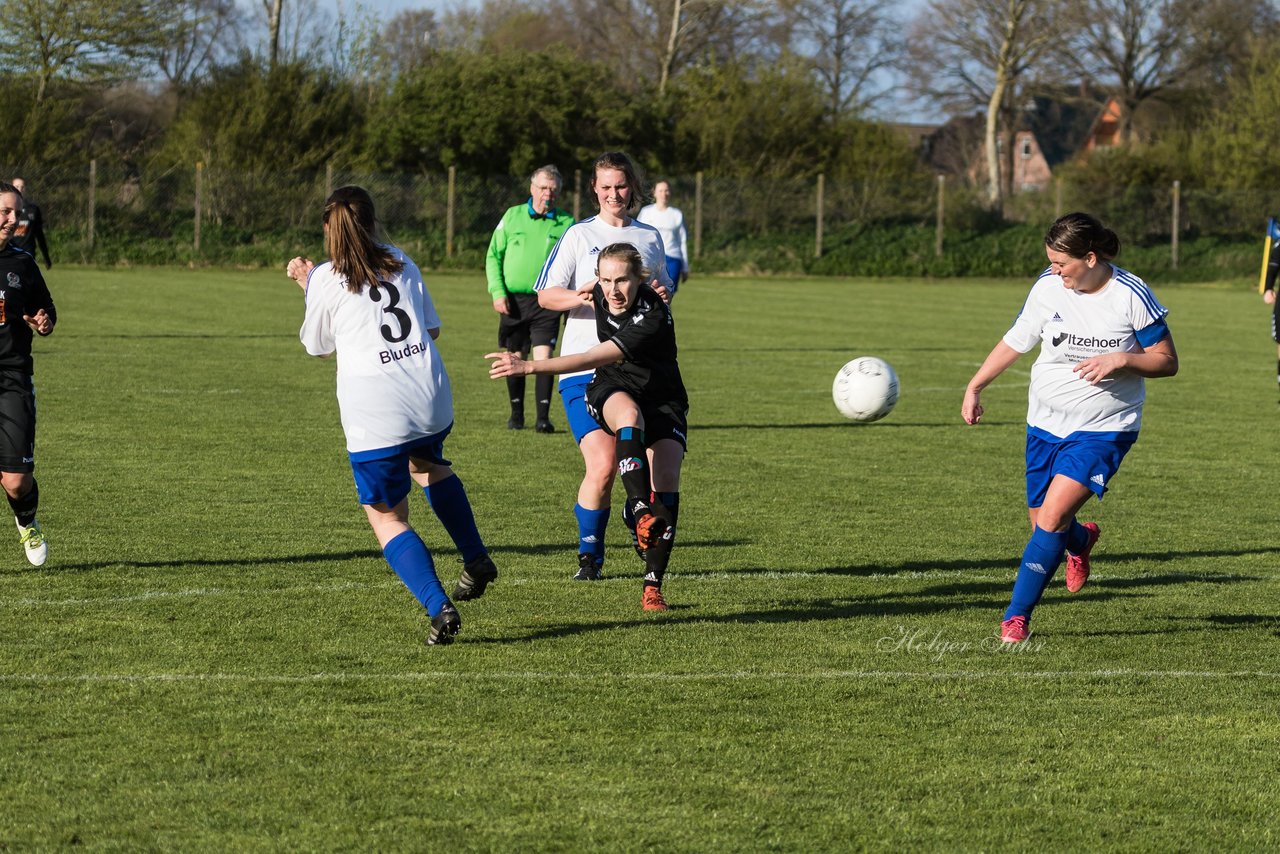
[(542, 388), (657, 556), (633, 468), (515, 391), (671, 501), (24, 508)]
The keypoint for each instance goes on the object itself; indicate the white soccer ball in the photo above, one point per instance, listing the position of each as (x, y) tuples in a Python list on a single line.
[(866, 389)]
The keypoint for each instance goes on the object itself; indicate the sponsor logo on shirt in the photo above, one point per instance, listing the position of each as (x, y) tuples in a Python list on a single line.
[(1093, 343), (1058, 339), (1057, 318), (14, 282)]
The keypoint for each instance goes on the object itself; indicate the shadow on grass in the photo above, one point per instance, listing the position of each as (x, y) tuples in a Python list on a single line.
[(441, 554), (1010, 563), (969, 596)]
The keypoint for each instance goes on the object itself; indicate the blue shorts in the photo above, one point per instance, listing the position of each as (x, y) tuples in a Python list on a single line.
[(674, 267), (573, 393), (1088, 459), (382, 476)]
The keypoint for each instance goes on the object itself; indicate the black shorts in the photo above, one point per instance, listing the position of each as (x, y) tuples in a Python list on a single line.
[(665, 420), (17, 422), (527, 324)]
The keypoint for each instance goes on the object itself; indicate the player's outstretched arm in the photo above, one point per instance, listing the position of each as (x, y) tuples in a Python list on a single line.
[(562, 299), (997, 361), (511, 365)]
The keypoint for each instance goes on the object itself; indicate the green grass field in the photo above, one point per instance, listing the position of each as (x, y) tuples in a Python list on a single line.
[(217, 658)]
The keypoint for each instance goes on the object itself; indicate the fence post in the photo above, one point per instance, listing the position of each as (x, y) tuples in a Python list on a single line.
[(697, 215), (1057, 196), (817, 241), (577, 193), (937, 233), (328, 179), (448, 221), (1177, 203), (199, 193), (93, 198)]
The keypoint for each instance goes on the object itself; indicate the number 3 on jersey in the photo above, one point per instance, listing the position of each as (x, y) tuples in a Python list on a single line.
[(403, 323)]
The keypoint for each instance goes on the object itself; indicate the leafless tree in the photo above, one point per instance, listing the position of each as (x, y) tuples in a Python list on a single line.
[(274, 10), (980, 53), (850, 44), (1140, 50), (200, 31)]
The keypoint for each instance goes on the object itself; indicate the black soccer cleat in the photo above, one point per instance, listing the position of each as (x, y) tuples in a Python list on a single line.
[(444, 626), (475, 577), (588, 569), (544, 426), (515, 422)]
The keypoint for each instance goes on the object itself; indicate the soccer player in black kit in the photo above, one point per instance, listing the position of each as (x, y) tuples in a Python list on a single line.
[(25, 307), (637, 395)]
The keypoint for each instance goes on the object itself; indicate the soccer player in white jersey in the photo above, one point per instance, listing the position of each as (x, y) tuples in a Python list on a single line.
[(675, 236), (1101, 331), (370, 305), (570, 268)]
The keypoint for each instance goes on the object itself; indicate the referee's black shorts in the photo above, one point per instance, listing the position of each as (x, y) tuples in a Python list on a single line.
[(666, 419), (527, 324), (17, 422)]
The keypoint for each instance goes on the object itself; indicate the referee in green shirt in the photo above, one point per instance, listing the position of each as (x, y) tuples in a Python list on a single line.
[(519, 247)]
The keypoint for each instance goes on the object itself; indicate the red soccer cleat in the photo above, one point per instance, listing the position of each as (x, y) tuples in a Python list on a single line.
[(1014, 630), (652, 599), (1078, 565)]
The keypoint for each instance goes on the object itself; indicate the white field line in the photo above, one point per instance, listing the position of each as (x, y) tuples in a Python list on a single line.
[(648, 677)]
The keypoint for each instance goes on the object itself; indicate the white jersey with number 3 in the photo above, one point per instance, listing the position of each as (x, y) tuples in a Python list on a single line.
[(572, 265), (392, 386), (1123, 316)]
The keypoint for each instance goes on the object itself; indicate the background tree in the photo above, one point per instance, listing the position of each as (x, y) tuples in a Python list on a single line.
[(850, 43), (1145, 49), (200, 32), (506, 113), (91, 41), (967, 53)]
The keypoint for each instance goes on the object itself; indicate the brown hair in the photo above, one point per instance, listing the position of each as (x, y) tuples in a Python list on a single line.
[(350, 238), (9, 188), (627, 254), (621, 162), (1077, 234)]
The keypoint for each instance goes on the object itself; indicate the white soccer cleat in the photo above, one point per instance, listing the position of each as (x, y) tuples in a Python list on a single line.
[(34, 542)]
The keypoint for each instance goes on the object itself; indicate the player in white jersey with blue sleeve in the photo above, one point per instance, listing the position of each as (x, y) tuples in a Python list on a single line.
[(1101, 332), (370, 306), (571, 268)]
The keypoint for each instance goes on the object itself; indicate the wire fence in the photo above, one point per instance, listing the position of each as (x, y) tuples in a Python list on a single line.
[(219, 215)]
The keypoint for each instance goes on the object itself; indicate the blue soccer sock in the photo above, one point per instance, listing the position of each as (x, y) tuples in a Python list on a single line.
[(591, 528), (1040, 561), (1077, 537), (448, 499), (408, 556)]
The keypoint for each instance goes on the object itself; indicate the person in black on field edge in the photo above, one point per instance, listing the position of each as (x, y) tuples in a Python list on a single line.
[(25, 307), (29, 232)]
